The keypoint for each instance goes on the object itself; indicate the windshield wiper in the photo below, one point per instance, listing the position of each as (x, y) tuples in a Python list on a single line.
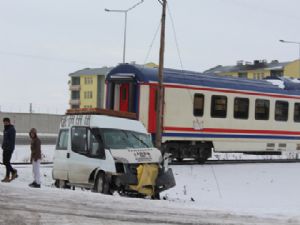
[(141, 141)]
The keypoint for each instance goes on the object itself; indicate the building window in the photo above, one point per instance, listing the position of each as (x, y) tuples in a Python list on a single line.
[(88, 80), (75, 95), (281, 110), (241, 108), (243, 74), (88, 94), (262, 108), (198, 104), (75, 80), (297, 112), (218, 106)]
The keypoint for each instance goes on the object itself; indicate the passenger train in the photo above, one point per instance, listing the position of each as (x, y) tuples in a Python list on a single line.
[(207, 112)]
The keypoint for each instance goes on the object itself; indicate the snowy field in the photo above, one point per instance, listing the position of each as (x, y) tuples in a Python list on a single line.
[(204, 194), (22, 155)]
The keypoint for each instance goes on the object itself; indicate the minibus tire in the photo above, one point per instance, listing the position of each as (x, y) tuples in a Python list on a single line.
[(101, 185), (60, 184)]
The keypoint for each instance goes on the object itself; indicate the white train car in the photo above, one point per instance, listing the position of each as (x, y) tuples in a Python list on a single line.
[(205, 112)]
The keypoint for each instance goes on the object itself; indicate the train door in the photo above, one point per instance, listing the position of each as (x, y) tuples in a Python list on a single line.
[(124, 97)]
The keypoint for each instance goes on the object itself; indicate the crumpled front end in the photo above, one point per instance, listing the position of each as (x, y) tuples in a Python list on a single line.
[(145, 179)]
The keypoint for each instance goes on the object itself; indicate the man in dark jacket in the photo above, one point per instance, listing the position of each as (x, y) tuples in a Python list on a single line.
[(8, 146)]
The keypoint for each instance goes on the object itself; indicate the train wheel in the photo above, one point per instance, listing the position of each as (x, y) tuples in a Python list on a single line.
[(179, 159), (201, 160)]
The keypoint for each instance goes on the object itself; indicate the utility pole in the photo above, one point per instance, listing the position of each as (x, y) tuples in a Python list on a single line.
[(160, 91), (30, 108)]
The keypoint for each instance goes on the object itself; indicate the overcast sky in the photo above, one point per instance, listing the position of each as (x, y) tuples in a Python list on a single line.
[(42, 41)]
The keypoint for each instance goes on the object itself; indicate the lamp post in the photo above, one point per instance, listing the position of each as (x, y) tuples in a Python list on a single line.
[(125, 11), (297, 43)]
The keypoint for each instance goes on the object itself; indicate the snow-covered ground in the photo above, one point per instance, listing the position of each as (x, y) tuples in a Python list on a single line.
[(204, 194), (222, 194), (22, 155)]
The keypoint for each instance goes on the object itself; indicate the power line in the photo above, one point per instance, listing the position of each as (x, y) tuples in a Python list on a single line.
[(175, 37), (151, 44)]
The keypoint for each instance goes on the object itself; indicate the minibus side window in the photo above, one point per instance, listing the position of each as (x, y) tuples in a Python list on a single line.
[(87, 142), (79, 140), (62, 141), (95, 144)]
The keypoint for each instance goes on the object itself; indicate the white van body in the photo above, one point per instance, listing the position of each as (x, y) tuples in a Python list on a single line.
[(93, 146)]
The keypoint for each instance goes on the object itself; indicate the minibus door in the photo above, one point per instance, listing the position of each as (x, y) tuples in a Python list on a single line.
[(60, 165), (87, 154)]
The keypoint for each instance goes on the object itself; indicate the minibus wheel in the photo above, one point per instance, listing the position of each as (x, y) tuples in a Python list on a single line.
[(101, 185), (60, 184)]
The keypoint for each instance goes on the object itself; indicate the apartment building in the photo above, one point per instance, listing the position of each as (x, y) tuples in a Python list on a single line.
[(87, 88)]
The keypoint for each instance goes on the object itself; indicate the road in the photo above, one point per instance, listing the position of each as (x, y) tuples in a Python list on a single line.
[(22, 205), (223, 194)]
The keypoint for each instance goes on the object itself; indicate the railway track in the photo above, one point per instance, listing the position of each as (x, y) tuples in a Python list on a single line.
[(244, 161), (194, 162)]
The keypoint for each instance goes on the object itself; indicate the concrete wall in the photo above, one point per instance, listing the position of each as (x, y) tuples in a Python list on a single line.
[(47, 126)]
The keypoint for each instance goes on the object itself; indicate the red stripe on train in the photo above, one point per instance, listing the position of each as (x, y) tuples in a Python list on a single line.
[(223, 130)]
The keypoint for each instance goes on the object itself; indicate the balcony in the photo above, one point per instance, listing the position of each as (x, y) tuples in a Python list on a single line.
[(74, 87), (74, 102)]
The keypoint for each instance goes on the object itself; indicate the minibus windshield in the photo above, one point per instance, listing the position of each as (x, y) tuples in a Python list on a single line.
[(123, 139)]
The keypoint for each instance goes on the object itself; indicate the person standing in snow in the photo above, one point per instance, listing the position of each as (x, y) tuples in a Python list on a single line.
[(8, 147), (35, 158)]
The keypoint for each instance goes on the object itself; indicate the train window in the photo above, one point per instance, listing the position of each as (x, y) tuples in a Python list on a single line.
[(262, 108), (297, 112), (198, 104), (281, 110), (241, 108), (218, 106)]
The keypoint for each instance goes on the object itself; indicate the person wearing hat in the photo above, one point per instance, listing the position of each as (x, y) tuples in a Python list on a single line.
[(35, 158)]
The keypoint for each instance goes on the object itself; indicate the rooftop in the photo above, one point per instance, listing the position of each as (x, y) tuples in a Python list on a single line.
[(242, 66), (91, 71)]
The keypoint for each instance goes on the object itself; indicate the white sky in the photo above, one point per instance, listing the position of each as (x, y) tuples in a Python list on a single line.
[(42, 41)]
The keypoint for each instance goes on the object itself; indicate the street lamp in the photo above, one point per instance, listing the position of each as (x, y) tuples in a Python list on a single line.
[(297, 43), (125, 11)]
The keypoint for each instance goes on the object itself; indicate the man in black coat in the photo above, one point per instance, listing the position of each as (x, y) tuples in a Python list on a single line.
[(8, 146)]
